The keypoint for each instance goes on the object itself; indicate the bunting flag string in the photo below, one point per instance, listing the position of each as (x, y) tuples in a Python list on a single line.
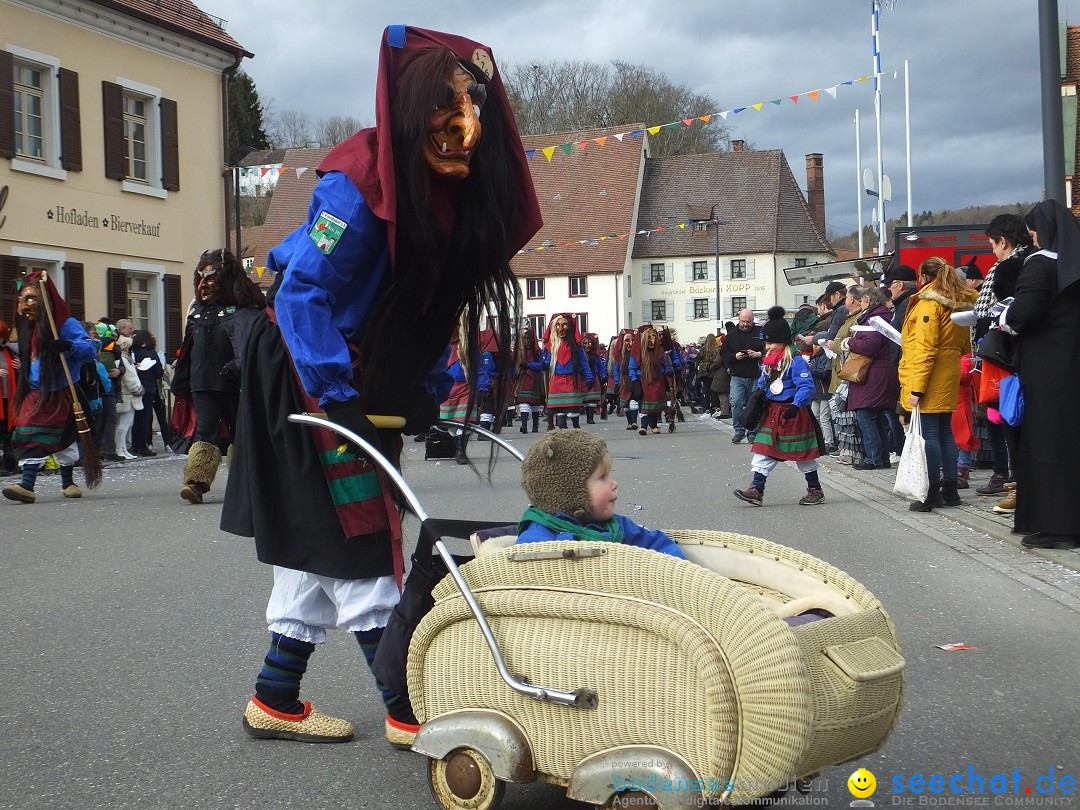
[(596, 240), (568, 148)]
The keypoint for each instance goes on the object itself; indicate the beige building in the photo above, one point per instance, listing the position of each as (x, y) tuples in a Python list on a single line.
[(112, 122)]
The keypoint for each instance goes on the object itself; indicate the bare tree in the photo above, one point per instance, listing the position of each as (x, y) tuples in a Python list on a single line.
[(333, 130), (291, 128), (573, 95)]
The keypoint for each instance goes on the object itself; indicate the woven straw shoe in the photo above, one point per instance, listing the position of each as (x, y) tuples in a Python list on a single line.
[(17, 492), (400, 735), (311, 725), (72, 491)]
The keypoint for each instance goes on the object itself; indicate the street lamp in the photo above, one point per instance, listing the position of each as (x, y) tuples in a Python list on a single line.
[(716, 223)]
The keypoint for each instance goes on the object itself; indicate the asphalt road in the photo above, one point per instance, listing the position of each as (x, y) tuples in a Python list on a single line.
[(135, 631)]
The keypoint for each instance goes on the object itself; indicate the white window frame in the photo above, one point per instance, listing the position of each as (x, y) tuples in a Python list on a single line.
[(742, 274), (800, 262), (49, 164), (534, 288), (698, 316), (53, 261), (154, 274), (582, 319), (537, 324), (663, 308), (581, 283), (701, 265), (653, 267), (152, 97)]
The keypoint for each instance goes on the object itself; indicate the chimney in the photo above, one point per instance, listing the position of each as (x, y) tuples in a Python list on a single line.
[(738, 146), (815, 189)]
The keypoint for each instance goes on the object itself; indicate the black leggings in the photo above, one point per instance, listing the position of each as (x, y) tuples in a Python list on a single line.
[(211, 409)]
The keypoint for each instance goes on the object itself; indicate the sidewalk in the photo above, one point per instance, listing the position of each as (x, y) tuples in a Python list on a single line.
[(976, 513)]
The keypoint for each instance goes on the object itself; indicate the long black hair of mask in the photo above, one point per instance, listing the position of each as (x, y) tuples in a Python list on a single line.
[(466, 270)]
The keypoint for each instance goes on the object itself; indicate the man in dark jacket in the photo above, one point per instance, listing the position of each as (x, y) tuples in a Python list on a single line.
[(743, 350)]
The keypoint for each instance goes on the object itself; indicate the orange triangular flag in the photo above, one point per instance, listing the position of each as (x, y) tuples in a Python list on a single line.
[(600, 141), (813, 94), (705, 118)]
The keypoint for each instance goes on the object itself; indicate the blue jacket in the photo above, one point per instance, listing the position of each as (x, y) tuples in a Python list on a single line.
[(568, 368), (633, 534), (83, 350), (635, 369), (798, 384), (324, 299)]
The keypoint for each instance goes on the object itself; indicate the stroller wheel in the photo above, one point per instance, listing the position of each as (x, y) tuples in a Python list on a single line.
[(465, 781)]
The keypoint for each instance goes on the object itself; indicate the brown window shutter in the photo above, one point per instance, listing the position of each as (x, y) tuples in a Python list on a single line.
[(75, 290), (7, 106), (170, 146), (112, 96), (174, 316), (116, 281), (9, 293), (70, 121)]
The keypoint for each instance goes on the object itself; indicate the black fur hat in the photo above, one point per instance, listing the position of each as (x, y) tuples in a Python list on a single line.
[(777, 329)]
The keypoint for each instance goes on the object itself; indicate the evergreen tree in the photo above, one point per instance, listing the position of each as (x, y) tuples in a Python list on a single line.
[(245, 117)]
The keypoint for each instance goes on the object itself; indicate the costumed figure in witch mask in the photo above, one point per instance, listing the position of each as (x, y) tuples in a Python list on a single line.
[(470, 391), (590, 344), (629, 389), (651, 370), (48, 418), (569, 375), (530, 384), (206, 380), (413, 222)]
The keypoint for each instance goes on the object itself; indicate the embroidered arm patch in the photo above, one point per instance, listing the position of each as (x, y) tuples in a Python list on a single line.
[(326, 232)]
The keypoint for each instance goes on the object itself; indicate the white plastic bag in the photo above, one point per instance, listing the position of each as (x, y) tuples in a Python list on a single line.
[(912, 476)]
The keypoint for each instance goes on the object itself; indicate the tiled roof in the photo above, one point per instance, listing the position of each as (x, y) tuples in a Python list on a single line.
[(181, 16), (584, 195), (754, 191), (292, 197)]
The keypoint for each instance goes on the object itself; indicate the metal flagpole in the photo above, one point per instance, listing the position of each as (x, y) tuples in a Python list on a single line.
[(858, 181), (907, 137), (875, 9)]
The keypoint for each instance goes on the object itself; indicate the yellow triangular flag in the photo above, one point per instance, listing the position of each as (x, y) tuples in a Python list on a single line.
[(548, 151), (653, 130), (757, 106)]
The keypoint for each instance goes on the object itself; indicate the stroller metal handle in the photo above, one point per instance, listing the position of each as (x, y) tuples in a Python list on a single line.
[(582, 697)]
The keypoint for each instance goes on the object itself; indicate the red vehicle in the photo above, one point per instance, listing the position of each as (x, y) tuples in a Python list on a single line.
[(956, 244)]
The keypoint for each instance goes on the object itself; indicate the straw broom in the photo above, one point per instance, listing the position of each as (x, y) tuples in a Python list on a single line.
[(88, 450)]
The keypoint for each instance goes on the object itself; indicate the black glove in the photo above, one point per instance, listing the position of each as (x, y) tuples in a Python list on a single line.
[(791, 411), (420, 413), (61, 345), (230, 373), (349, 415)]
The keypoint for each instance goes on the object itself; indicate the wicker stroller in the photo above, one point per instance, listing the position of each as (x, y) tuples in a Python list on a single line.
[(609, 669)]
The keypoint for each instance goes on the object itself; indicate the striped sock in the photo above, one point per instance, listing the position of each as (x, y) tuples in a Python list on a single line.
[(29, 476), (278, 685), (397, 706)]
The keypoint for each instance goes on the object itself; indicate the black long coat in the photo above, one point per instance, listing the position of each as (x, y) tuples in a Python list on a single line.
[(1047, 323)]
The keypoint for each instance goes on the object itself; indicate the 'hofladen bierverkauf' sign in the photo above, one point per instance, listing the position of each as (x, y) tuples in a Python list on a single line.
[(109, 222)]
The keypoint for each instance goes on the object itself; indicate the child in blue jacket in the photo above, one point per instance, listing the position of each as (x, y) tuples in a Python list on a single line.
[(567, 476)]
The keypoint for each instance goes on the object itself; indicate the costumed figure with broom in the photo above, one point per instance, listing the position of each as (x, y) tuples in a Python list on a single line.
[(673, 353), (650, 370), (49, 417), (590, 344), (413, 222), (530, 389)]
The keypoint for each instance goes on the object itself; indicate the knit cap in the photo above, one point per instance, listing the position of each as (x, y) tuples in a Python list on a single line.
[(777, 329), (557, 468)]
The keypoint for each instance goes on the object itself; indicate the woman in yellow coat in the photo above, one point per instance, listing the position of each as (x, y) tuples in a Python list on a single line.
[(931, 346)]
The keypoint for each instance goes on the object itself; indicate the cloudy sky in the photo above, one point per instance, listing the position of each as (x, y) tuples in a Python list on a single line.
[(974, 75)]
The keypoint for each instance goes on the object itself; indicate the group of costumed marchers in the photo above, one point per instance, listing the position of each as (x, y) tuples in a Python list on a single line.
[(643, 373), (410, 233), (47, 412)]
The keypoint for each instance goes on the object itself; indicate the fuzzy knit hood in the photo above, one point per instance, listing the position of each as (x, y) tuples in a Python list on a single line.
[(930, 294), (557, 468)]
